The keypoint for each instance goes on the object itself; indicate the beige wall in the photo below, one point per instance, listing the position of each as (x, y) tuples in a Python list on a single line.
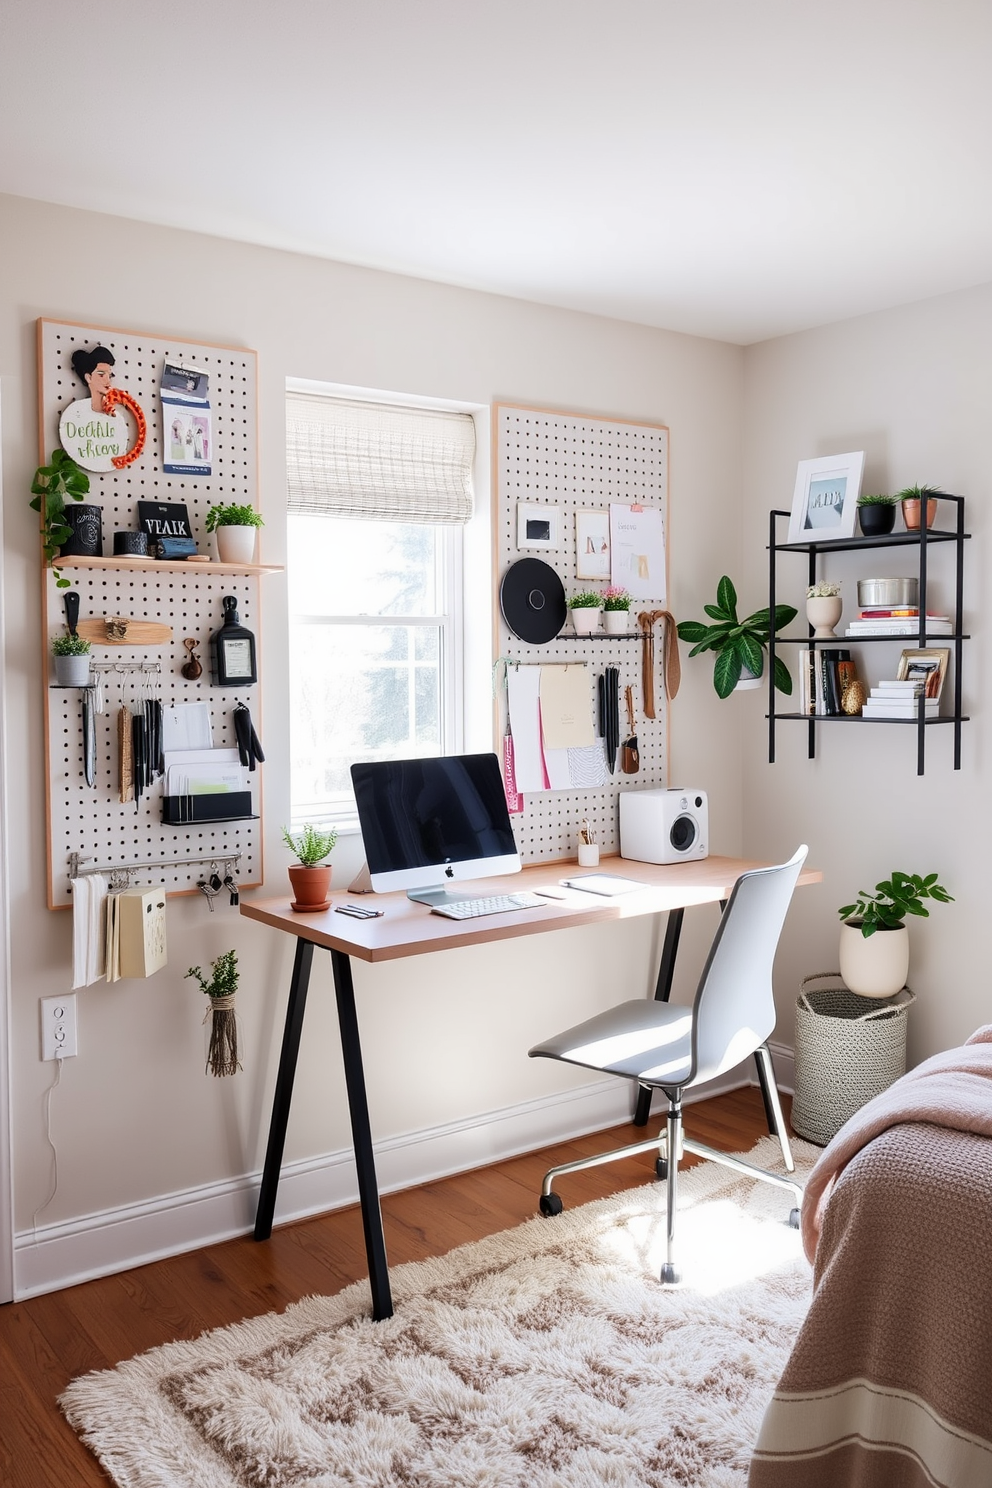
[(134, 1118), (913, 388)]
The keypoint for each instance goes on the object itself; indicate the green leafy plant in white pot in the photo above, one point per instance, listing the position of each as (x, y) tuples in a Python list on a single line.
[(585, 608), (874, 941), (72, 660), (738, 645), (311, 875), (235, 529)]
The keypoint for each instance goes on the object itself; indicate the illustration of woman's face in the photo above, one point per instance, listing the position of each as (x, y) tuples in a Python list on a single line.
[(99, 382)]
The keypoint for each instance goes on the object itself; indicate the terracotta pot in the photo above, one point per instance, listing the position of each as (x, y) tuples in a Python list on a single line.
[(911, 513), (311, 887), (876, 967)]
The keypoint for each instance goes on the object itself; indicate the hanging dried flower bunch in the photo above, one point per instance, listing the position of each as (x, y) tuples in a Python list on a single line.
[(222, 1055)]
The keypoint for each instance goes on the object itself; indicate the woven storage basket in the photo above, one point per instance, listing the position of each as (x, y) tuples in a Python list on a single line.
[(848, 1049)]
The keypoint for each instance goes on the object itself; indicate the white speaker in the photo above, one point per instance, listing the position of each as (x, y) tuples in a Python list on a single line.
[(664, 826)]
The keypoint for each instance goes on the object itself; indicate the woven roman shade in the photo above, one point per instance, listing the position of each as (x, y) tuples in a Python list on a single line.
[(378, 460)]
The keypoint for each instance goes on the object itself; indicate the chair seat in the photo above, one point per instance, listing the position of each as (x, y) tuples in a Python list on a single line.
[(647, 1041)]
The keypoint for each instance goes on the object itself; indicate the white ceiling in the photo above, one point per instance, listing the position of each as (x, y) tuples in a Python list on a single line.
[(731, 168)]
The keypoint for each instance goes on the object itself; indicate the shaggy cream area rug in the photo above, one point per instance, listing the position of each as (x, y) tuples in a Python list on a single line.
[(548, 1356)]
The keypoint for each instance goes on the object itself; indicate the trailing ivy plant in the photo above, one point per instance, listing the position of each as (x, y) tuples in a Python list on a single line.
[(738, 644), (51, 486)]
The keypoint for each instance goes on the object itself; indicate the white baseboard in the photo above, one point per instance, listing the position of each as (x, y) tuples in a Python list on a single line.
[(61, 1255)]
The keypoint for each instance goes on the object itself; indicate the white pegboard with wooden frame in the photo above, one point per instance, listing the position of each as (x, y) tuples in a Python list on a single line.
[(569, 463), (92, 822)]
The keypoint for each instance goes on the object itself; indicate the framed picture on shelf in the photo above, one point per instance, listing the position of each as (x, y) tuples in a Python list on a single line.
[(592, 544), (824, 504), (537, 526), (928, 667)]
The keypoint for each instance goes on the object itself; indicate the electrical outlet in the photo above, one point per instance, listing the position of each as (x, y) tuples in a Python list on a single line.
[(58, 1027)]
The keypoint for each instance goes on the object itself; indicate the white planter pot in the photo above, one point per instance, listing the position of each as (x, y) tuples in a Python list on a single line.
[(747, 681), (236, 544), (823, 614), (616, 622), (878, 966), (585, 621), (72, 671)]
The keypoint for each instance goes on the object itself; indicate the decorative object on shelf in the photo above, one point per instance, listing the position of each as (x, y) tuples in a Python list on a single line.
[(192, 669), (235, 530), (912, 498), (853, 698), (616, 610), (823, 609), (877, 515), (72, 660), (889, 594), (130, 544), (927, 667), (537, 526), (233, 649), (165, 519), (874, 941), (739, 644), (532, 601), (221, 988), (824, 504), (311, 876), (585, 608), (52, 484), (90, 430)]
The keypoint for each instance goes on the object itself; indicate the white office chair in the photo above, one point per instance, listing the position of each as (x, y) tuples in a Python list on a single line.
[(671, 1048)]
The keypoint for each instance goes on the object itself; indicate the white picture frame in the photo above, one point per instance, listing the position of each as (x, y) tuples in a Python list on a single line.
[(537, 525), (825, 501), (592, 544)]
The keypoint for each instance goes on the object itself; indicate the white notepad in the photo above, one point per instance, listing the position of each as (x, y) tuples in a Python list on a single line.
[(609, 884)]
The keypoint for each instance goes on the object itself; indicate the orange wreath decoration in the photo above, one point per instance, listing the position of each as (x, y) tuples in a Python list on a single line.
[(111, 398)]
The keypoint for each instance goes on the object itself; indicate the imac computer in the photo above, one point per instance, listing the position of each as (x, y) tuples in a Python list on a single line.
[(427, 822)]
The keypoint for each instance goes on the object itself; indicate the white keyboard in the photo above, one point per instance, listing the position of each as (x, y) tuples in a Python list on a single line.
[(467, 909)]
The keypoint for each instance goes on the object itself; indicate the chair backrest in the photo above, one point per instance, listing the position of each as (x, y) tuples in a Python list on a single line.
[(734, 1009)]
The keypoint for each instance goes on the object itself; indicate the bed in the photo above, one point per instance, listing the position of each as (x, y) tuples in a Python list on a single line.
[(889, 1384)]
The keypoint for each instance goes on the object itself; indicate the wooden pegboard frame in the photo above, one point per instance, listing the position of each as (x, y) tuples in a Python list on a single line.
[(92, 821), (573, 462)]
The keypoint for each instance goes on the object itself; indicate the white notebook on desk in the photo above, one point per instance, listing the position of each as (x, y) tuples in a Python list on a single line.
[(608, 884)]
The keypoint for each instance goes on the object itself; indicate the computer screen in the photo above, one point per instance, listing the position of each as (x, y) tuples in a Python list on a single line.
[(426, 822)]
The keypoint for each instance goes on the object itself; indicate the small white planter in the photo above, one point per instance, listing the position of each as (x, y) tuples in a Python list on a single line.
[(823, 612), (72, 671), (615, 622), (748, 681), (236, 544), (878, 966), (585, 620)]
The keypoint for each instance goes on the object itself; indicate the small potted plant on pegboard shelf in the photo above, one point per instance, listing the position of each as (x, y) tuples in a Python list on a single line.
[(72, 660), (584, 609), (311, 875), (616, 610), (235, 529)]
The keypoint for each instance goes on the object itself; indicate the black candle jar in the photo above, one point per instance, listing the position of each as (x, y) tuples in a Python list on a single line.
[(131, 544), (86, 531)]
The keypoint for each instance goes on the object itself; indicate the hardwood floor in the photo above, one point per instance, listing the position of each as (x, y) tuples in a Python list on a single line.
[(46, 1342)]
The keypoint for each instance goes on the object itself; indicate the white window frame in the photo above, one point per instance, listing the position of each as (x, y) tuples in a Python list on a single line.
[(467, 638)]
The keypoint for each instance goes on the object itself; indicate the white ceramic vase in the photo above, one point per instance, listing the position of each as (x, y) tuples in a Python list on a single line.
[(585, 620), (236, 544), (823, 612), (616, 622), (876, 967)]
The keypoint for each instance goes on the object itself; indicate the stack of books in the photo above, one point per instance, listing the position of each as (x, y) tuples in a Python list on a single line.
[(824, 673), (904, 621), (896, 699)]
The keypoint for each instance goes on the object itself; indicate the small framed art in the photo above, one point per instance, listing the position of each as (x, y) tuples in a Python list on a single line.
[(537, 526), (824, 504), (928, 667), (592, 544)]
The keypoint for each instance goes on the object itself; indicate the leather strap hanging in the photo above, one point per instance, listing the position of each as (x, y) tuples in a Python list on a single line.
[(670, 655)]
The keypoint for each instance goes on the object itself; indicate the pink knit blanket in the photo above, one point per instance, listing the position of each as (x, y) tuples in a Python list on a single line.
[(952, 1089)]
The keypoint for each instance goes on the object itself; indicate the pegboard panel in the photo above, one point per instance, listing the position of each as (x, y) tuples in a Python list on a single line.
[(573, 462), (92, 821)]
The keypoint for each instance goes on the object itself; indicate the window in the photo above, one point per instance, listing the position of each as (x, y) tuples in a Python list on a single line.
[(379, 498)]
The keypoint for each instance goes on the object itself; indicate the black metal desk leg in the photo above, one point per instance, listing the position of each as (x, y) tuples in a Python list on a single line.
[(662, 992), (361, 1135), (284, 1089)]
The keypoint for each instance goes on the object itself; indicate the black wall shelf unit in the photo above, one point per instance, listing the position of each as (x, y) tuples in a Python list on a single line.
[(927, 544)]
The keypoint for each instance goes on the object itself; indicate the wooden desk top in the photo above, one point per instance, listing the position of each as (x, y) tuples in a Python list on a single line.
[(410, 929)]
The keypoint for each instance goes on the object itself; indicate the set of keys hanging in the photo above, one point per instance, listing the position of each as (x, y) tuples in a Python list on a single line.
[(212, 886)]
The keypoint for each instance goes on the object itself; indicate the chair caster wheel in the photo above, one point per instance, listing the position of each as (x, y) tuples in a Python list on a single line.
[(550, 1204), (670, 1274), (661, 1168), (794, 1219)]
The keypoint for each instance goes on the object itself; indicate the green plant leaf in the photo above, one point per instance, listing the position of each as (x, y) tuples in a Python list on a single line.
[(726, 670), (716, 613), (783, 680), (691, 630), (726, 597), (751, 654)]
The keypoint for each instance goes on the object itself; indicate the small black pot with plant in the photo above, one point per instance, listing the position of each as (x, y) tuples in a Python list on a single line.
[(877, 515)]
